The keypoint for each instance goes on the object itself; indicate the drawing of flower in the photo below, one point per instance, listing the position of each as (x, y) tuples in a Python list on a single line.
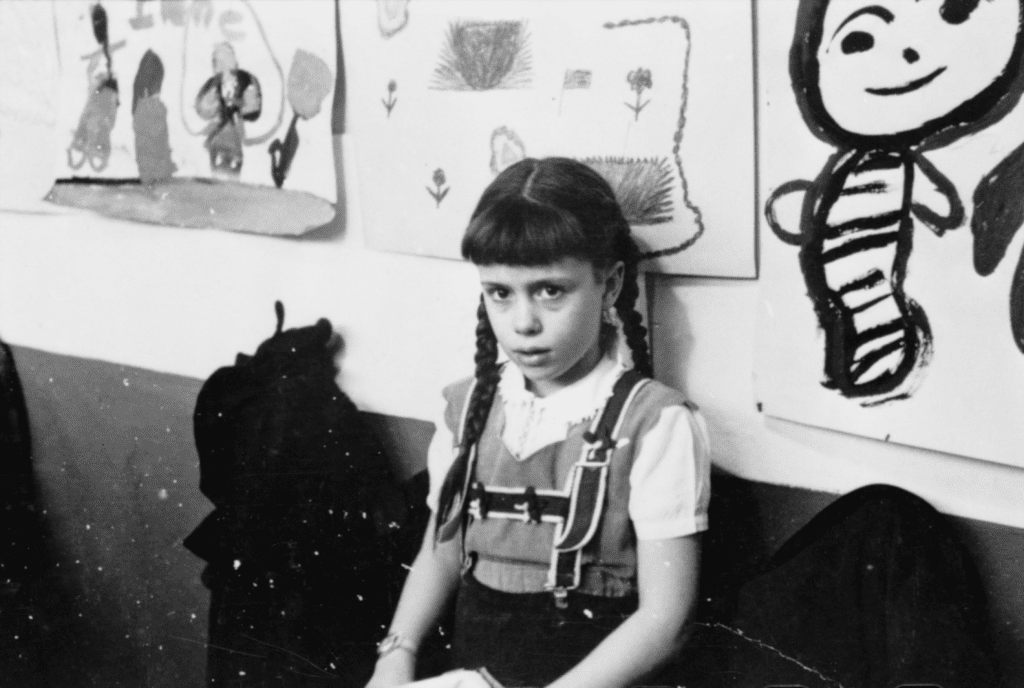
[(391, 100), (439, 181), (639, 80)]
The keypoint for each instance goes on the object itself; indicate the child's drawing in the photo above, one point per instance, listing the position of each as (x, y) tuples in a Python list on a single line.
[(506, 149), (639, 80), (392, 100), (91, 139), (643, 187), (149, 122), (884, 83), (392, 16), (440, 190), (611, 86), (309, 82), (208, 96), (229, 99), (650, 195), (484, 55)]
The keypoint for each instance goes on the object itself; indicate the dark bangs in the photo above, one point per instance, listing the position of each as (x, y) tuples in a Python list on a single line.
[(518, 231)]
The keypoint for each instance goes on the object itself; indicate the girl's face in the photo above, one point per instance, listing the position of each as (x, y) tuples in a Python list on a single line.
[(890, 66), (547, 319)]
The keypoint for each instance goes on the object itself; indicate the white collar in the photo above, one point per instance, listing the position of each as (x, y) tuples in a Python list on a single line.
[(533, 422)]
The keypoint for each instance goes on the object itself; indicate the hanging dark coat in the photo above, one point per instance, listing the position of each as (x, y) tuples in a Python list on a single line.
[(876, 591), (303, 544)]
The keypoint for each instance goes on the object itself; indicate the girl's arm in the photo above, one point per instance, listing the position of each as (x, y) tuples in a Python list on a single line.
[(428, 588), (667, 573)]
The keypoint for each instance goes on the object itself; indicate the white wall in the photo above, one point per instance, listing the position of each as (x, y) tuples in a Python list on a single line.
[(186, 301)]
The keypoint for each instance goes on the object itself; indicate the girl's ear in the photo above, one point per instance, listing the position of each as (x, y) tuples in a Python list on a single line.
[(613, 280)]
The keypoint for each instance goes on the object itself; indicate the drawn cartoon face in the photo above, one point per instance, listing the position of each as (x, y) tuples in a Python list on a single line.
[(893, 66)]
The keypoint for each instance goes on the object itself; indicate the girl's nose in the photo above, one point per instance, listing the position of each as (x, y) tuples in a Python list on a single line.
[(524, 319), (911, 56)]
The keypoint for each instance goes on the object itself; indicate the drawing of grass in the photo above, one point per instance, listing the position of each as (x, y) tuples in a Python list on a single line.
[(643, 187), (481, 56)]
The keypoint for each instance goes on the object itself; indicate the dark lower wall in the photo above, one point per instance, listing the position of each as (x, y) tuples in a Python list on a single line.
[(118, 480)]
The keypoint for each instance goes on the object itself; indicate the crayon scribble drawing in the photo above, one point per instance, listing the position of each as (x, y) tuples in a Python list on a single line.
[(643, 187), (884, 83), (205, 142), (483, 84), (392, 16), (506, 149), (484, 55)]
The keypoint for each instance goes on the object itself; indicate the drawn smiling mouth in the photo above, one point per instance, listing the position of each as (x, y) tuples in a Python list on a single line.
[(907, 87)]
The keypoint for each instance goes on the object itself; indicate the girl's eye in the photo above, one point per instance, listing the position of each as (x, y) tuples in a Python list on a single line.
[(550, 292), (498, 294), (857, 42)]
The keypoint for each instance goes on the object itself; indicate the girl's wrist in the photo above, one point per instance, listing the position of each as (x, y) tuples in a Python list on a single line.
[(397, 641)]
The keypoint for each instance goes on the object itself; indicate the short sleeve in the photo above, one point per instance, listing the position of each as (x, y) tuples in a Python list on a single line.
[(440, 454), (670, 482)]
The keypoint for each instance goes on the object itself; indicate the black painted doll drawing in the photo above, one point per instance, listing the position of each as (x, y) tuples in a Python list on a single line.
[(885, 81), (231, 97)]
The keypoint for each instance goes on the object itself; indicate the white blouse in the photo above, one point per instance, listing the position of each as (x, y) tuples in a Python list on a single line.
[(670, 478)]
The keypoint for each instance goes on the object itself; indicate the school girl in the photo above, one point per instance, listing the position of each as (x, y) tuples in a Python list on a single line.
[(568, 489)]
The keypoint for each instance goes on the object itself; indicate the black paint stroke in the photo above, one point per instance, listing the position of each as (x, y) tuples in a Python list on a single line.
[(483, 56), (282, 154), (998, 214), (149, 78), (677, 137), (642, 186), (846, 369)]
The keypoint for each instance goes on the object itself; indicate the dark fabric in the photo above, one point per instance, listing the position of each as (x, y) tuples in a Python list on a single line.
[(310, 529), (23, 537), (874, 592), (524, 639), (45, 641)]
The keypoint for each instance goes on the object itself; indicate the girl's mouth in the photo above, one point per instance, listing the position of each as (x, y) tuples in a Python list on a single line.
[(532, 357), (907, 87)]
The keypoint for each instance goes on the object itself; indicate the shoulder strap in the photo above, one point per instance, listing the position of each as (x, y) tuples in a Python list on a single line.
[(591, 472), (589, 485)]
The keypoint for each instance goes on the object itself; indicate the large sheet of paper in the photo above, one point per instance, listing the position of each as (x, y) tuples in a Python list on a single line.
[(892, 279), (656, 96), (29, 74), (212, 113)]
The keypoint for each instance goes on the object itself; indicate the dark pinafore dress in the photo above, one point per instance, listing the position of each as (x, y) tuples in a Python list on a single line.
[(555, 529)]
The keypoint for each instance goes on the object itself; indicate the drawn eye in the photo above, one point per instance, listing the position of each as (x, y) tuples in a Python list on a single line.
[(957, 11), (857, 42)]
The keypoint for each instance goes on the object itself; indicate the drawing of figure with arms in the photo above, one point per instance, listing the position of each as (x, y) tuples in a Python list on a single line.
[(885, 82)]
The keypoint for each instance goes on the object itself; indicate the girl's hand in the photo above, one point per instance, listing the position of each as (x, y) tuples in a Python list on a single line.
[(396, 668), (459, 678)]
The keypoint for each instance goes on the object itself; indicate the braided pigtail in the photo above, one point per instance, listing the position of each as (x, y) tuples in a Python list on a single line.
[(448, 520), (632, 323)]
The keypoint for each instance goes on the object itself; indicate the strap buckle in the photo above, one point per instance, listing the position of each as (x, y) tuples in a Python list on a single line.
[(530, 507), (561, 597), (477, 506)]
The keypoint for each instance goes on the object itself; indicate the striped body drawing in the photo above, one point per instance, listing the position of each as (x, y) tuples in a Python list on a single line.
[(884, 82), (859, 218)]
